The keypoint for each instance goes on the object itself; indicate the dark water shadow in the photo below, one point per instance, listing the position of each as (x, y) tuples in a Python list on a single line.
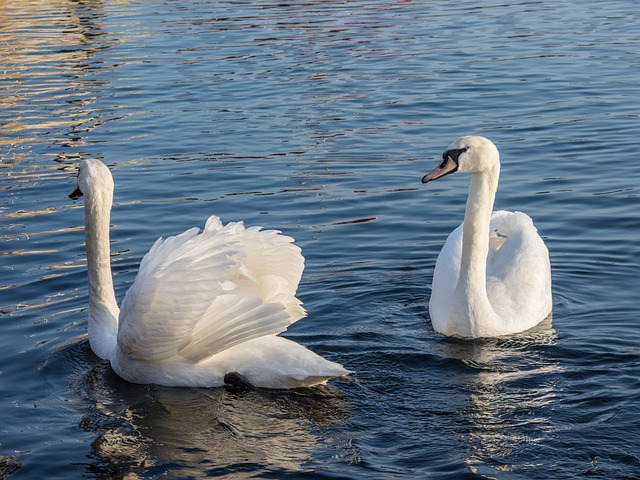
[(152, 431)]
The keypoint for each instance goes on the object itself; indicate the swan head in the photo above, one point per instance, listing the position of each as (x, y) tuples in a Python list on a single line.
[(93, 178), (470, 154)]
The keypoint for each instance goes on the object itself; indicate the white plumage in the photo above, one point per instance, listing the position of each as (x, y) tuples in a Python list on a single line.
[(203, 304), (493, 275)]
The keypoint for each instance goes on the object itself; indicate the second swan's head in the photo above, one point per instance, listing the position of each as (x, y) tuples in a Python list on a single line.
[(93, 178), (470, 154)]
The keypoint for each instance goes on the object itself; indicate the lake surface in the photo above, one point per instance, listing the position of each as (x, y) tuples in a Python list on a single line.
[(319, 118)]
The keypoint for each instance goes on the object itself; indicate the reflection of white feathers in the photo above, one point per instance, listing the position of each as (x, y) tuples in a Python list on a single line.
[(494, 279), (203, 304)]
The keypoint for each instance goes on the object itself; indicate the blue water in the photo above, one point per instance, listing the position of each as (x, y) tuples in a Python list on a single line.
[(319, 119)]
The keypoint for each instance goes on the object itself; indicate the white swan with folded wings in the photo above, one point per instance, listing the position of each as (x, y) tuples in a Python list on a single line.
[(493, 275)]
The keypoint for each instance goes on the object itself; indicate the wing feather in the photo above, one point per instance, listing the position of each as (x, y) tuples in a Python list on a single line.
[(199, 293), (277, 265), (519, 272)]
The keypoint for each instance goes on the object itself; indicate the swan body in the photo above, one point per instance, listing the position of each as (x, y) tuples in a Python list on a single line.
[(203, 304), (493, 275)]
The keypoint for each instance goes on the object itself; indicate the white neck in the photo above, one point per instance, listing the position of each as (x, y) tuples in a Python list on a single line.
[(103, 309), (472, 308)]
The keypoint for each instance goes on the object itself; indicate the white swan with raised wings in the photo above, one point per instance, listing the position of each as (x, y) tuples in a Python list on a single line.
[(204, 306)]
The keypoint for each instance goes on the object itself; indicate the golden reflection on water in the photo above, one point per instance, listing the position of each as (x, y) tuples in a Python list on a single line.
[(47, 56), (30, 252), (33, 213)]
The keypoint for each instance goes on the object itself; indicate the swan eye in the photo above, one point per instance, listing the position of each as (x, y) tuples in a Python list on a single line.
[(453, 154)]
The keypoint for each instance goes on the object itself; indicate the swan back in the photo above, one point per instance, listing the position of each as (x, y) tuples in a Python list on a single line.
[(518, 271)]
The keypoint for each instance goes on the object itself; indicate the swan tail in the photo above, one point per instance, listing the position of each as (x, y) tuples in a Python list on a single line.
[(290, 365)]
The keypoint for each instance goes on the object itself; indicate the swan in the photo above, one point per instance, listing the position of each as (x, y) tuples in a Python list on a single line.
[(204, 308), (493, 275)]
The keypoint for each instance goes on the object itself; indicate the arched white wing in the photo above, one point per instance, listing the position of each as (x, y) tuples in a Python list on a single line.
[(197, 294)]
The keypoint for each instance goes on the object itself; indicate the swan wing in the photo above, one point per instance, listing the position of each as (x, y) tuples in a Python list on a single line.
[(276, 265), (195, 295), (445, 278), (518, 269)]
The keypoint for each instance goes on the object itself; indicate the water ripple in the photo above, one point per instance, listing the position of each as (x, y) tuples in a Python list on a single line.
[(319, 119)]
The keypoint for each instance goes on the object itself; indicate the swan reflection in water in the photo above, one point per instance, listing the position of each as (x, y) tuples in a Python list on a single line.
[(230, 431), (508, 387)]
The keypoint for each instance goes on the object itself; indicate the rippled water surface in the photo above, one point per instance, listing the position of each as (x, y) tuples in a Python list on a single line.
[(319, 118)]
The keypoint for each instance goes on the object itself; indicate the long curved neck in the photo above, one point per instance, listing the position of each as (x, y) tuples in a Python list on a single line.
[(474, 304), (103, 309)]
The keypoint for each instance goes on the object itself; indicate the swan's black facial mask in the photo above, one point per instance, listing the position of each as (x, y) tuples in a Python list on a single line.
[(448, 165), (76, 193)]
